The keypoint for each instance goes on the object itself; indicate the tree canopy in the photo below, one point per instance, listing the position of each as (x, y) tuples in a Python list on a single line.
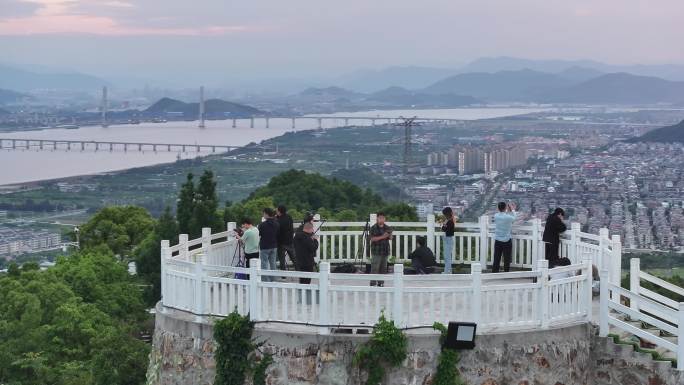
[(120, 228), (198, 205), (71, 324)]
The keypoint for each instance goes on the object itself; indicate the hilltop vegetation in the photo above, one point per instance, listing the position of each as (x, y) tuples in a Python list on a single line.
[(213, 108), (667, 134)]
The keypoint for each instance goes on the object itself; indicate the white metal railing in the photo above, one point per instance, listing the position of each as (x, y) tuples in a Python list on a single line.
[(643, 306), (200, 276)]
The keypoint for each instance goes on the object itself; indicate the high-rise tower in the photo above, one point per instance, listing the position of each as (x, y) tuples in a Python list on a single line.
[(201, 108), (104, 106)]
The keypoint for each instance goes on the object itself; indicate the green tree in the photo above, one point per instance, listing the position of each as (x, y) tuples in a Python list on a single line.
[(148, 255), (205, 210), (186, 205), (120, 228), (251, 209), (71, 324)]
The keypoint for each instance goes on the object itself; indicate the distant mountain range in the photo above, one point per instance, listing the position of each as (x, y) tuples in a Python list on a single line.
[(213, 108), (495, 64), (22, 80), (388, 97), (565, 87), (523, 85), (619, 88), (668, 134), (9, 96), (4, 112), (411, 77)]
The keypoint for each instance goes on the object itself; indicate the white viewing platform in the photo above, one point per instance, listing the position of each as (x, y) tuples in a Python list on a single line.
[(198, 277)]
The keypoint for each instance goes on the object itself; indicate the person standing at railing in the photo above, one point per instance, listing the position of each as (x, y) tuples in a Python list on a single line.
[(448, 227), (285, 237), (305, 245), (380, 235), (552, 231), (268, 243), (503, 239), (249, 239)]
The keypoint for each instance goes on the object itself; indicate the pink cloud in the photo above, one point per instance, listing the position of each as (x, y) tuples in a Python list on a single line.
[(54, 17)]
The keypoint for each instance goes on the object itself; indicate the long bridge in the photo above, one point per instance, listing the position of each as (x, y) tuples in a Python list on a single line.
[(83, 145)]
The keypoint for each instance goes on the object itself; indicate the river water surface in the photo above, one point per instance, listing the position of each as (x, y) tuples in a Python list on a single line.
[(20, 166)]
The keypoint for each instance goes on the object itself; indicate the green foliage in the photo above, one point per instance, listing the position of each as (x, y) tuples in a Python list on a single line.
[(366, 178), (387, 348), (198, 206), (654, 260), (235, 352), (147, 255), (120, 228), (333, 199), (303, 191), (447, 371), (72, 324)]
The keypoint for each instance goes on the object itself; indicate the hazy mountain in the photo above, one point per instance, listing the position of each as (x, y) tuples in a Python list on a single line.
[(496, 64), (579, 74), (412, 77), (4, 112), (520, 85), (666, 134), (619, 88), (402, 96), (329, 93), (9, 96), (22, 80), (213, 108)]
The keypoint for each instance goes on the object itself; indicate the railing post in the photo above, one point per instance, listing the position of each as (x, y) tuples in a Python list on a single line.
[(616, 260), (476, 273), (183, 250), (398, 295), (536, 241), (573, 250), (323, 288), (431, 232), (484, 242), (588, 294), (603, 321), (603, 242), (231, 226), (165, 255), (254, 279), (680, 337), (366, 250), (199, 285), (206, 244), (544, 294), (634, 282)]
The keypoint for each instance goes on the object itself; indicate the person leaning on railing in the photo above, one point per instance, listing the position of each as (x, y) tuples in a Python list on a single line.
[(552, 230), (503, 239), (380, 234)]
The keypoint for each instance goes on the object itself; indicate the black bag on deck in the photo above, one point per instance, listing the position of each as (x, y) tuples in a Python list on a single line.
[(345, 268)]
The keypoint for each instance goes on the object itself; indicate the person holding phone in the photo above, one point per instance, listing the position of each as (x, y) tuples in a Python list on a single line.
[(380, 234)]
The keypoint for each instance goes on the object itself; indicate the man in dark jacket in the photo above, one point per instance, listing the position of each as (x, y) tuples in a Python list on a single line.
[(305, 245), (285, 234), (422, 258), (268, 242), (552, 230)]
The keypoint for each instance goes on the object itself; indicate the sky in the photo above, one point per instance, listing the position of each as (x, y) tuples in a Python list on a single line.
[(235, 39)]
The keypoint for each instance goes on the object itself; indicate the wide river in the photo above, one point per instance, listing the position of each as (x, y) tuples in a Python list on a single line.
[(19, 166)]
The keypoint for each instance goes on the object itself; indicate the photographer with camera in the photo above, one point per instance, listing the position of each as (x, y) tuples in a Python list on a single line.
[(285, 237), (249, 239)]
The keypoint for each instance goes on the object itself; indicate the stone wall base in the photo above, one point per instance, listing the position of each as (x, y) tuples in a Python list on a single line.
[(183, 354)]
